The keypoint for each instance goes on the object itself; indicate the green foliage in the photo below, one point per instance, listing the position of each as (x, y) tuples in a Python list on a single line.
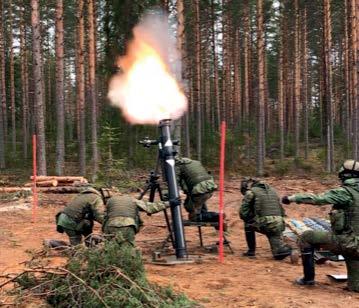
[(282, 167), (112, 275)]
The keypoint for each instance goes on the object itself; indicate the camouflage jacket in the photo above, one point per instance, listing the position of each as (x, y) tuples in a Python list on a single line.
[(123, 211), (339, 197), (247, 211), (193, 178), (86, 205)]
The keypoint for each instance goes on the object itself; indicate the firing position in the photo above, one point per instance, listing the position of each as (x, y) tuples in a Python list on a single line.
[(344, 218), (199, 186), (77, 218), (262, 212), (122, 219)]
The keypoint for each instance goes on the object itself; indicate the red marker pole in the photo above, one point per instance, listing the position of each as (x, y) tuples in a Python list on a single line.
[(221, 189), (34, 189)]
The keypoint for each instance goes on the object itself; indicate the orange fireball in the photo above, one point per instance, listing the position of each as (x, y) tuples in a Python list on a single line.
[(146, 90)]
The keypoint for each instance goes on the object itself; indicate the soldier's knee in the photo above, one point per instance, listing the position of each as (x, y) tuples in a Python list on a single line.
[(305, 240)]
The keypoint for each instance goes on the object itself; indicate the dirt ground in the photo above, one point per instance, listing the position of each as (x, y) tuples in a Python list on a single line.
[(238, 282)]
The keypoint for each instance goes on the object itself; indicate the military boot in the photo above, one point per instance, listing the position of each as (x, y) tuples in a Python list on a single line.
[(251, 243), (308, 268), (353, 274), (279, 249)]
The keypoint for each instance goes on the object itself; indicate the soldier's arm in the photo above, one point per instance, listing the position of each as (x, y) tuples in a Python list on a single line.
[(333, 196), (98, 209), (151, 207), (246, 210)]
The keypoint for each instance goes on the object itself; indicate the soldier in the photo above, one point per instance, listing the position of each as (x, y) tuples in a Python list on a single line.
[(122, 217), (344, 216), (199, 186), (76, 219), (262, 212)]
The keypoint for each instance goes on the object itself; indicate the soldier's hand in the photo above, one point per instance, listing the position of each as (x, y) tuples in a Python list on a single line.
[(285, 200), (175, 202)]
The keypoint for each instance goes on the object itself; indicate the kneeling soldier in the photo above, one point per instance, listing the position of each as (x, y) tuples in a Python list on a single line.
[(199, 186), (262, 212), (77, 218), (122, 218), (344, 217)]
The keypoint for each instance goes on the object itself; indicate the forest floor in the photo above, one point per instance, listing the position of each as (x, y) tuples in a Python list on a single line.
[(238, 282)]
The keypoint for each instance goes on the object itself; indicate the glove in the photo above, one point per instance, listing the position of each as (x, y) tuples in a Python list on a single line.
[(285, 200), (175, 202)]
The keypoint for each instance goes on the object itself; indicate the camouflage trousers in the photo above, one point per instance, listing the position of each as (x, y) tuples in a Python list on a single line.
[(122, 234), (84, 230), (275, 239), (330, 241), (195, 203)]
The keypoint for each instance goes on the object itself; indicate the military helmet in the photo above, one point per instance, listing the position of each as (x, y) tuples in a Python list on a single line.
[(349, 169), (246, 184)]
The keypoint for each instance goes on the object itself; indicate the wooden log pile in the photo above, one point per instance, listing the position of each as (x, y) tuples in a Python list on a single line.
[(51, 184)]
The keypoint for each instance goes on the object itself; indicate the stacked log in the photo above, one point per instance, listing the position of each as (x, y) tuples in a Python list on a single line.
[(53, 181)]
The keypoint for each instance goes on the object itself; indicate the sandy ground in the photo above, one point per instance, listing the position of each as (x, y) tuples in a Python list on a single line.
[(238, 282)]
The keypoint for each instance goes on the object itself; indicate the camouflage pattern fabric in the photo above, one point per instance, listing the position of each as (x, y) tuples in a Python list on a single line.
[(193, 177), (75, 236), (122, 234), (119, 215), (271, 226), (194, 203), (342, 201), (273, 231), (86, 205), (344, 238)]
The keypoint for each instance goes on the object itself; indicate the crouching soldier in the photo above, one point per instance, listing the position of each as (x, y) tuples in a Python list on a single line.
[(199, 186), (344, 216), (122, 219), (77, 218), (262, 212)]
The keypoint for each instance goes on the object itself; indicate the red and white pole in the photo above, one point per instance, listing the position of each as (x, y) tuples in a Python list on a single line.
[(34, 188), (221, 190)]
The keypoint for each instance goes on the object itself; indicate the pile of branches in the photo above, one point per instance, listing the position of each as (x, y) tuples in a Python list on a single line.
[(112, 275)]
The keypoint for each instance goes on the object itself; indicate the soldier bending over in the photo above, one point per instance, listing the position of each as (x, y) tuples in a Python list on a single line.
[(77, 218), (122, 218)]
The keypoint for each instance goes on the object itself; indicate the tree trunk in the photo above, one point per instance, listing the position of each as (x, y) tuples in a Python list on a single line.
[(237, 79), (180, 65), (24, 88), (60, 99), (12, 80), (80, 84), (354, 71), (305, 85), (38, 88), (297, 84), (93, 85), (328, 85), (280, 84), (215, 67), (2, 91), (261, 86), (198, 81)]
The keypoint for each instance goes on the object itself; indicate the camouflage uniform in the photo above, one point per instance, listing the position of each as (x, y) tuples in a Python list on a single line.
[(76, 219), (262, 212), (122, 217), (344, 238), (197, 184)]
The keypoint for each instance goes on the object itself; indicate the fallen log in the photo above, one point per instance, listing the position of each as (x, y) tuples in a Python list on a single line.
[(51, 183), (60, 190), (42, 178), (13, 189)]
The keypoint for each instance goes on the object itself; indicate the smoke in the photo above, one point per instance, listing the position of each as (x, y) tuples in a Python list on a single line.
[(146, 89)]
